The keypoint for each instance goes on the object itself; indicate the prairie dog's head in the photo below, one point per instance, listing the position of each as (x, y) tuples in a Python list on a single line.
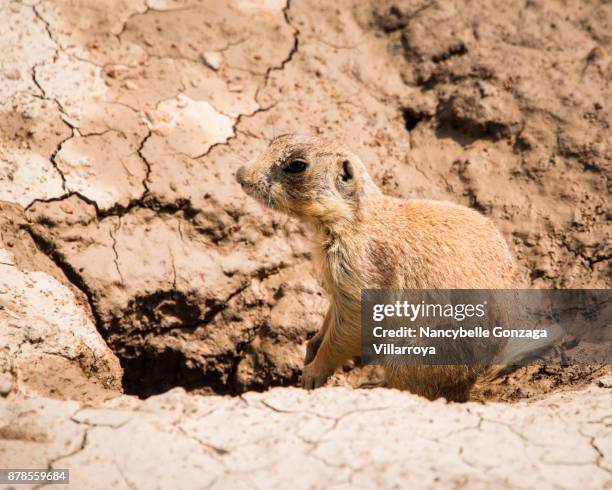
[(308, 177)]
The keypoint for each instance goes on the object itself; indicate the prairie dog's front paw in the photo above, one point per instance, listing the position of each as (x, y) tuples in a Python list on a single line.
[(314, 377)]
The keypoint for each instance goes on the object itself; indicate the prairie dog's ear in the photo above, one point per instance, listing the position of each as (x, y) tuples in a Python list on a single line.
[(346, 178), (348, 171)]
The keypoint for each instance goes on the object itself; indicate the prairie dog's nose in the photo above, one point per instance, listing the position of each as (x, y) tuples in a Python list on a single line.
[(240, 176)]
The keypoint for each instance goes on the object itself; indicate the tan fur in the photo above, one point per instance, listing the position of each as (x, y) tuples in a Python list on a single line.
[(369, 240)]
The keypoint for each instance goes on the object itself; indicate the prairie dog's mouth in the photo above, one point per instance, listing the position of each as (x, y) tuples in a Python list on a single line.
[(248, 186), (264, 197), (258, 190)]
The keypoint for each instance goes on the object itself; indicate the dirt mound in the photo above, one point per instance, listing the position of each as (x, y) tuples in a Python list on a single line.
[(123, 132)]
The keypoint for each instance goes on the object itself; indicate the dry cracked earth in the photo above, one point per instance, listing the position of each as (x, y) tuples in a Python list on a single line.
[(131, 263)]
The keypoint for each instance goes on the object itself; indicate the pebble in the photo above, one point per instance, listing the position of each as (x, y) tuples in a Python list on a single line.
[(212, 59)]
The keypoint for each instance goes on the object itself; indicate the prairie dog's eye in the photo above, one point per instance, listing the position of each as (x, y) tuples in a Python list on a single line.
[(295, 167)]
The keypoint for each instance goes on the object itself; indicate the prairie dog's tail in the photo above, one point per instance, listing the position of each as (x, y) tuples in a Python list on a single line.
[(517, 351)]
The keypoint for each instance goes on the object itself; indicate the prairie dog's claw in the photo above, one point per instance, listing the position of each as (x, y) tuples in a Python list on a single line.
[(312, 377)]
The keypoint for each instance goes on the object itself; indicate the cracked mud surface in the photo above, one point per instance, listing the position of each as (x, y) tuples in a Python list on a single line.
[(122, 128), (130, 260), (329, 438)]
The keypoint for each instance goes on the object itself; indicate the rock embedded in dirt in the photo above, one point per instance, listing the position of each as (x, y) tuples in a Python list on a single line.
[(212, 59)]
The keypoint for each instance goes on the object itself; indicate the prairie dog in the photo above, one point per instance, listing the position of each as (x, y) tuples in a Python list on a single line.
[(368, 240)]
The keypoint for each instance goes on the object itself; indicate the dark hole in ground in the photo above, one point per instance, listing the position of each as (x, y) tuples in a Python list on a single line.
[(152, 373), (148, 372), (412, 118)]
